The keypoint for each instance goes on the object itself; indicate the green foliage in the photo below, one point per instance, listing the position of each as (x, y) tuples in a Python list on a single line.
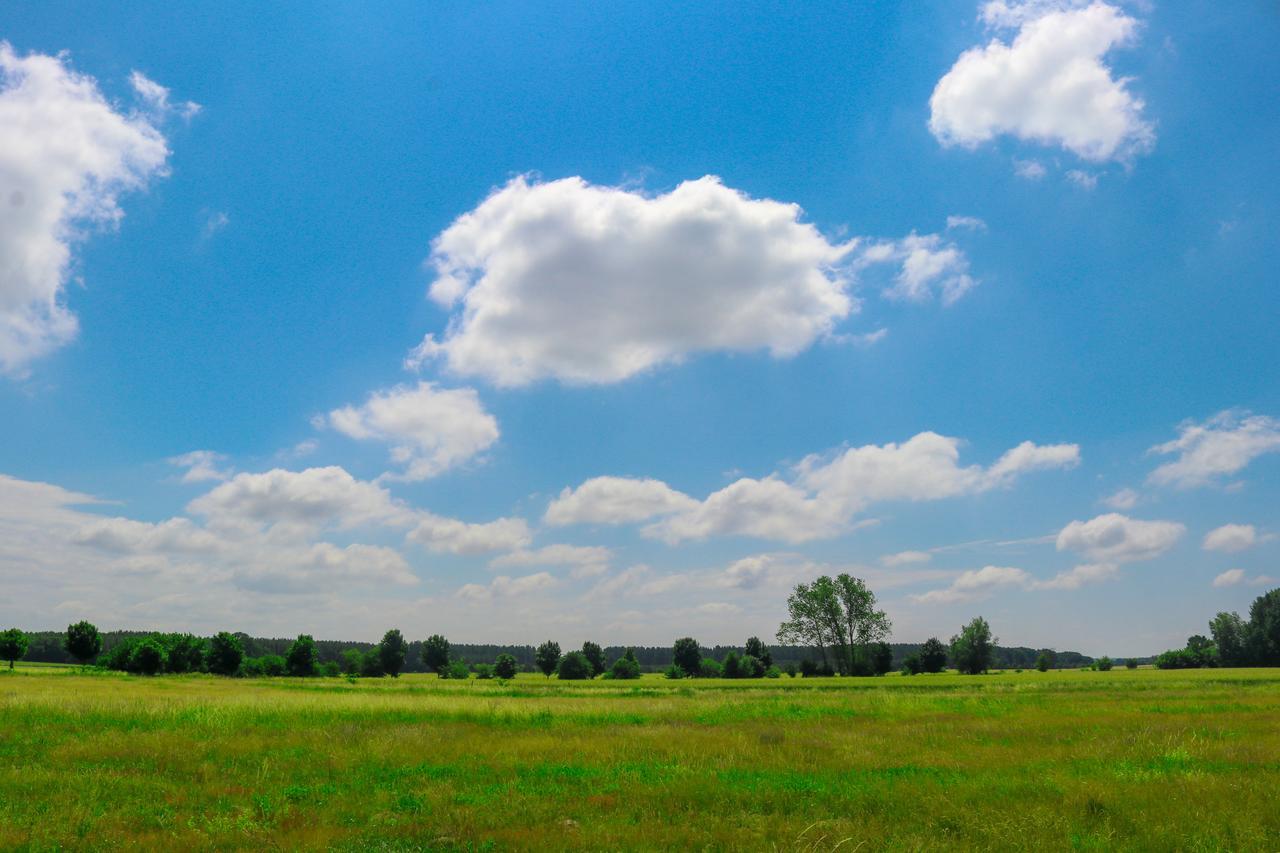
[(881, 658), (933, 656), (674, 672), (547, 658), (1046, 660), (435, 654), (330, 669), (1178, 659), (1229, 634), (594, 655), (625, 667), (792, 670), (274, 665), (839, 614), (911, 665), (1130, 664), (301, 660), (773, 672), (252, 668), (13, 645), (575, 667), (148, 657), (1103, 664), (117, 657), (731, 667), (83, 642), (757, 649), (352, 661), (710, 668), (972, 648), (456, 670), (484, 671), (505, 666), (224, 654), (687, 654), (1262, 639), (391, 652), (371, 663), (183, 652)]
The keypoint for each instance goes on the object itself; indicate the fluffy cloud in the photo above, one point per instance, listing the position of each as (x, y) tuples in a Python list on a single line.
[(506, 587), (1219, 447), (1115, 538), (1050, 85), (584, 561), (927, 264), (1123, 499), (1231, 538), (905, 558), (201, 465), (430, 429), (66, 157), (1235, 577), (765, 509), (976, 584), (301, 570), (314, 497), (126, 536), (615, 500), (452, 536), (1080, 576)]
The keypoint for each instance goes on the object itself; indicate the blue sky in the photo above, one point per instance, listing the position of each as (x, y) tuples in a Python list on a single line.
[(615, 321)]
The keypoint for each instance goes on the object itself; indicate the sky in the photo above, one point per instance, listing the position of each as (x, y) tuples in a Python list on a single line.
[(616, 321)]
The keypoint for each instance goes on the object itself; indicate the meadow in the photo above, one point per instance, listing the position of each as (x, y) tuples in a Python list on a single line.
[(1127, 759)]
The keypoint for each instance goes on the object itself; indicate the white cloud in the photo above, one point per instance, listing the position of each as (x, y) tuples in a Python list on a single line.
[(615, 500), (1115, 538), (430, 429), (1221, 446), (1231, 538), (214, 221), (971, 223), (1123, 499), (506, 587), (126, 536), (766, 509), (1231, 577), (302, 570), (594, 284), (976, 584), (201, 465), (1032, 170), (1084, 180), (584, 561), (905, 558), (311, 498), (66, 157), (928, 265), (1050, 85), (459, 537), (1080, 576), (156, 98)]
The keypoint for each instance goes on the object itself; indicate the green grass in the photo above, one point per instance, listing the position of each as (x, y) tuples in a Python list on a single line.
[(1139, 760)]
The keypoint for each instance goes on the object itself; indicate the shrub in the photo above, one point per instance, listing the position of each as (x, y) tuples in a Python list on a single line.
[(547, 657), (117, 657), (224, 654), (1046, 660), (625, 667), (686, 654), (301, 657), (674, 672), (574, 667), (352, 661), (484, 671), (371, 663), (435, 654), (911, 665), (595, 655), (274, 665), (732, 665), (83, 642), (757, 649), (881, 658), (791, 670), (773, 672), (1103, 664), (505, 666), (933, 656), (147, 657), (330, 669), (391, 652), (809, 669), (184, 652), (710, 668), (13, 645), (457, 670), (1130, 664), (251, 668), (750, 666)]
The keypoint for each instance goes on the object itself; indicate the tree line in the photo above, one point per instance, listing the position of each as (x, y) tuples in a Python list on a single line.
[(1233, 641)]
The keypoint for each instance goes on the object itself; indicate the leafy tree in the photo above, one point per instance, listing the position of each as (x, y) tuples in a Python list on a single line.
[(732, 665), (773, 672), (710, 668), (933, 656), (1177, 659), (575, 667), (371, 663), (148, 657), (1229, 632), (750, 667), (117, 657), (625, 667), (839, 613), (1263, 639), (330, 669), (435, 654), (760, 651), (792, 670), (83, 642), (300, 660), (484, 671), (911, 665), (352, 661), (505, 666), (674, 672), (13, 645), (1130, 664), (1203, 649), (687, 655), (391, 652), (881, 658), (1103, 664), (183, 652), (251, 668), (457, 669), (1046, 660), (972, 648), (547, 658), (274, 665), (595, 656), (224, 654)]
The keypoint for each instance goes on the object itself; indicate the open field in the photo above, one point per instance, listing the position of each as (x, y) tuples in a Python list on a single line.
[(1089, 760)]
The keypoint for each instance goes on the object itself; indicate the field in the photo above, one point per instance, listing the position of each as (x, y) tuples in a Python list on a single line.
[(1141, 759)]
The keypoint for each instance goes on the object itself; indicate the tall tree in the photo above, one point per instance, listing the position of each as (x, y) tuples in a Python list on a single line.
[(300, 660), (933, 656), (225, 654), (840, 614), (686, 654), (1264, 629), (973, 647), (1228, 631), (595, 656), (758, 650), (435, 653), (547, 657), (13, 645), (83, 642), (391, 652)]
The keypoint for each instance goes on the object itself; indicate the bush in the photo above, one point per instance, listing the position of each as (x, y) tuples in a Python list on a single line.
[(687, 655), (792, 671), (547, 657), (301, 657), (1046, 660), (1177, 659), (484, 671), (147, 657), (595, 655), (625, 667), (505, 666), (371, 663), (184, 652), (760, 651), (732, 666), (457, 670), (881, 658), (575, 667), (352, 661), (435, 654), (117, 657), (330, 669), (251, 668), (674, 672), (1103, 664), (933, 656), (911, 665), (809, 669), (224, 654), (274, 665), (1130, 664), (83, 642), (750, 666), (773, 672), (710, 668)]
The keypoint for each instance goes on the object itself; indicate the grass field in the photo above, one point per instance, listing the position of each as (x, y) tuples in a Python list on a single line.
[(1141, 759)]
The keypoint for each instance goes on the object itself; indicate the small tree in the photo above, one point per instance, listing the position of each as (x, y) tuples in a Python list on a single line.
[(225, 654), (881, 658), (686, 654), (732, 665), (148, 657), (273, 665), (625, 667), (352, 661), (1103, 664), (505, 666), (13, 645), (710, 668), (933, 656), (911, 665), (457, 669), (391, 652), (575, 667), (484, 671), (371, 663), (1046, 660), (547, 657), (83, 642), (758, 650), (1131, 663), (300, 660), (184, 652), (973, 647), (435, 653), (595, 656)]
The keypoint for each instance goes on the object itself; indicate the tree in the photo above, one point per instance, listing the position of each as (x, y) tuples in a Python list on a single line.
[(1263, 639), (484, 671), (1228, 631), (457, 669), (352, 661), (933, 656), (840, 614), (148, 657), (575, 667), (1203, 649), (435, 653), (371, 663), (505, 666), (972, 648), (547, 657), (1103, 664), (881, 658), (391, 652), (732, 665), (625, 667), (1131, 663), (83, 642), (911, 665), (300, 660), (751, 667), (760, 651), (687, 655), (1047, 660), (595, 656), (13, 645), (224, 654), (183, 652), (710, 668)]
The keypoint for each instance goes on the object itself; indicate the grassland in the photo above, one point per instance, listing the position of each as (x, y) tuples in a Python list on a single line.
[(1062, 760)]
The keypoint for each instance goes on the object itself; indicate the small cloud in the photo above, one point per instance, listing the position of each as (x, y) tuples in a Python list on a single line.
[(971, 223), (201, 465), (156, 97), (905, 558), (1123, 499), (1084, 180), (1031, 170), (214, 221), (1231, 538)]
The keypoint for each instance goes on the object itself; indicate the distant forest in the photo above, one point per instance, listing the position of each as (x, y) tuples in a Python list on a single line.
[(47, 647)]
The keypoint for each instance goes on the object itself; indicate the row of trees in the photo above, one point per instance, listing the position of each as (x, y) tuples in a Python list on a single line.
[(1235, 641)]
